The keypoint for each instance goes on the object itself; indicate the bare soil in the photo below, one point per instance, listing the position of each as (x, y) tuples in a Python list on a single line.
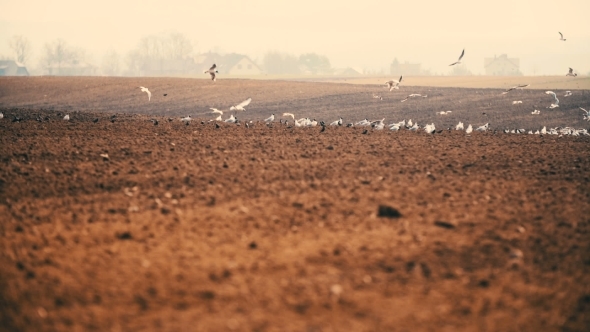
[(123, 225)]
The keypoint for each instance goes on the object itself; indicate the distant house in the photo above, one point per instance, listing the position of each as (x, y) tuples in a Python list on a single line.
[(12, 68), (229, 64), (72, 69), (405, 68), (502, 66), (346, 72)]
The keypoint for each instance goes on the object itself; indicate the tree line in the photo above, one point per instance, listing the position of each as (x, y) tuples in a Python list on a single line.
[(150, 52)]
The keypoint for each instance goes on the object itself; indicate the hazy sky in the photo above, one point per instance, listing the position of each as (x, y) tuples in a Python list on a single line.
[(366, 34)]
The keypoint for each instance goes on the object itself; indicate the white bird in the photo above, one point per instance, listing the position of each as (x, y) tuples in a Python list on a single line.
[(337, 122), (459, 126), (567, 94), (377, 97), (413, 95), (587, 116), (519, 87), (212, 71), (393, 84), (556, 103), (414, 127), (1, 115), (410, 123), (536, 112), (561, 36), (231, 119), (218, 118), (544, 130), (517, 102), (458, 61), (144, 89), (469, 129), (378, 125), (429, 128), (240, 106), (289, 114), (270, 118), (483, 128), (394, 127), (571, 73), (216, 111), (186, 119), (443, 112), (364, 122), (67, 117)]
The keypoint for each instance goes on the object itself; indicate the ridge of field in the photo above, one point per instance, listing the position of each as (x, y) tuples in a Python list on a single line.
[(320, 100)]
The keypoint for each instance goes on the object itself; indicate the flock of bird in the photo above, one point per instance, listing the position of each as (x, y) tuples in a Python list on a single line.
[(380, 124)]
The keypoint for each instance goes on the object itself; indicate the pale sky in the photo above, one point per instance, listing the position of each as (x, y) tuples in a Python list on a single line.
[(366, 34)]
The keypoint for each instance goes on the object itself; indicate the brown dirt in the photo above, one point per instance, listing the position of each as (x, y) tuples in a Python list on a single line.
[(284, 229)]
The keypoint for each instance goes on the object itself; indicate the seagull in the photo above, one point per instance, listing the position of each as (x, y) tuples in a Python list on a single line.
[(571, 73), (378, 125), (270, 118), (429, 128), (567, 94), (443, 112), (459, 126), (186, 119), (218, 118), (393, 84), (517, 102), (1, 115), (240, 106), (231, 119), (414, 95), (536, 112), (414, 127), (212, 72), (521, 86), (216, 111), (394, 127), (544, 130), (561, 38), (377, 97), (67, 117), (556, 103), (458, 61), (587, 116), (143, 89), (469, 129), (337, 122), (483, 128), (410, 123), (364, 122), (289, 114)]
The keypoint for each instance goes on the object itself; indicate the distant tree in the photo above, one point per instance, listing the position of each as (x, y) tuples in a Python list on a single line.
[(21, 47), (177, 46), (278, 63), (58, 53), (111, 64), (460, 70), (317, 64), (134, 62)]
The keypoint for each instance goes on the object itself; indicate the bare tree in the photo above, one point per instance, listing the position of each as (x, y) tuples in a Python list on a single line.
[(59, 53), (21, 47)]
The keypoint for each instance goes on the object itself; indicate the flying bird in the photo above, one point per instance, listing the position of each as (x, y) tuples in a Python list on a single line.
[(212, 71), (215, 111), (240, 106), (571, 73), (521, 86), (413, 95), (393, 84), (567, 93), (587, 116), (556, 103), (289, 114), (483, 128), (561, 38), (143, 89), (459, 60)]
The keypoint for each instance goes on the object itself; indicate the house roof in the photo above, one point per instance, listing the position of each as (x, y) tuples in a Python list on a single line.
[(502, 57)]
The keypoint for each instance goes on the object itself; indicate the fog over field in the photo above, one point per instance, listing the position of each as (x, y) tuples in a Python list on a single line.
[(367, 35)]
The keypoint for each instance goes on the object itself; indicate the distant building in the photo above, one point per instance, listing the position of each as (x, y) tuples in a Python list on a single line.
[(12, 68), (169, 67), (229, 64), (347, 72), (405, 68), (502, 66)]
